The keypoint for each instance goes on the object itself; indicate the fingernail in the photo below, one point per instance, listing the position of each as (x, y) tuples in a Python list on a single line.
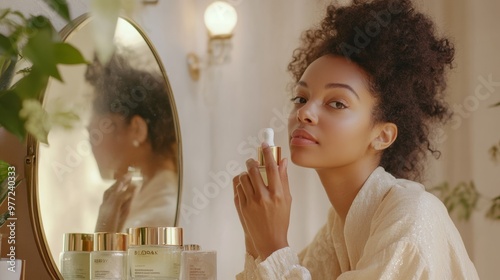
[(265, 145), (250, 162)]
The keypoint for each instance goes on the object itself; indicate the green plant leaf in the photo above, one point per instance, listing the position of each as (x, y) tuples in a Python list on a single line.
[(494, 210), (32, 85), (67, 54), (41, 52), (4, 217), (37, 23), (10, 104), (7, 47), (4, 13), (60, 7), (105, 17), (3, 170), (6, 75), (4, 189), (462, 199)]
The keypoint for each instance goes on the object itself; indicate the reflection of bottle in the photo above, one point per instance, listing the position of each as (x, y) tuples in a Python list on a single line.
[(108, 261), (75, 258), (269, 139), (154, 252), (136, 175)]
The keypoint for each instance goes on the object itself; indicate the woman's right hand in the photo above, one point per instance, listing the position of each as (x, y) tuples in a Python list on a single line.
[(115, 205)]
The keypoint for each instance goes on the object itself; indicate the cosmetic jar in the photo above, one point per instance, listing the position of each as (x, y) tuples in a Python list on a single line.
[(108, 261), (75, 258), (198, 265), (154, 252)]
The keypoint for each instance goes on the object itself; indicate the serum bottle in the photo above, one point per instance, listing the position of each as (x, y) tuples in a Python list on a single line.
[(269, 139), (75, 258), (108, 261)]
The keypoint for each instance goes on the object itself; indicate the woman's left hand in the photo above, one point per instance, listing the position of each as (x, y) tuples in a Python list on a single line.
[(266, 209)]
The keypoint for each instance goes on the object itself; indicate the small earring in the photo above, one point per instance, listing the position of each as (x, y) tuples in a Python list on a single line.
[(375, 146), (135, 143)]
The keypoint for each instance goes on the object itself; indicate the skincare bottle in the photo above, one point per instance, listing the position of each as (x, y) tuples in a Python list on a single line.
[(276, 151), (108, 261), (154, 252), (198, 265), (75, 258)]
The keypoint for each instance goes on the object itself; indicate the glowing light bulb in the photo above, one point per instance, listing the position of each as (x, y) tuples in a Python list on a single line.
[(220, 19)]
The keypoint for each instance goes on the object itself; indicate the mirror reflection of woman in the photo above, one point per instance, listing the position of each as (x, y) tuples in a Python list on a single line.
[(364, 108), (132, 128)]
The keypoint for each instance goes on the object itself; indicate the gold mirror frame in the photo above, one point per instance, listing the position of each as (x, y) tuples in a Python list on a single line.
[(31, 160)]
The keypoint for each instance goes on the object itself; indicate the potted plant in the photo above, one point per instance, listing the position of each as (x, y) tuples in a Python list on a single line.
[(34, 42), (463, 198)]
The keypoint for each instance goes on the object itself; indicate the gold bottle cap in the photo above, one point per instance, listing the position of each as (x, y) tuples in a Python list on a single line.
[(192, 247), (107, 241), (155, 236), (276, 150), (78, 242)]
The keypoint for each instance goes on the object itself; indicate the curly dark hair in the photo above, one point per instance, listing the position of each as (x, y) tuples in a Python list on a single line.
[(121, 89), (406, 63)]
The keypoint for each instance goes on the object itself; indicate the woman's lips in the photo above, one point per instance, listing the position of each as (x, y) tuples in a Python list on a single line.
[(300, 137)]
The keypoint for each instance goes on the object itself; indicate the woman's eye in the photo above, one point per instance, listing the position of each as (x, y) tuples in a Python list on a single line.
[(337, 105), (298, 100)]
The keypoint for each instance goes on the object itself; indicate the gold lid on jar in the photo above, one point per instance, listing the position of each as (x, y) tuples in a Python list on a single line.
[(78, 242), (155, 236), (108, 241), (192, 247)]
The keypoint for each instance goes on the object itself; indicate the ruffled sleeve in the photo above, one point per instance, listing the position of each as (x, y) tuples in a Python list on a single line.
[(282, 264), (316, 261)]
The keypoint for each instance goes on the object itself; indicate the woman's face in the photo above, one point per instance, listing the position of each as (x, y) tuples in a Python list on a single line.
[(331, 123), (110, 139)]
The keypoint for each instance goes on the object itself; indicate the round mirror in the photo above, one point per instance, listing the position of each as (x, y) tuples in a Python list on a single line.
[(120, 165)]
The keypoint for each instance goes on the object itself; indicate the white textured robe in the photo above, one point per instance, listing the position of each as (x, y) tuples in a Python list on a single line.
[(393, 230), (155, 204)]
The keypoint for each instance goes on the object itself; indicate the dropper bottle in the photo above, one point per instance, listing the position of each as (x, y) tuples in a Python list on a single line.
[(276, 151)]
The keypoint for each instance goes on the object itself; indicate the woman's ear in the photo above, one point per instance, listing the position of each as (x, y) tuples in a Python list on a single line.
[(138, 130), (387, 134)]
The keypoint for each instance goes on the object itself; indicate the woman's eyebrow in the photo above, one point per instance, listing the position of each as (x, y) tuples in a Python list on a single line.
[(332, 85)]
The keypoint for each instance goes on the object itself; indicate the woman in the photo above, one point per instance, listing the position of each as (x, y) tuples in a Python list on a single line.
[(132, 113), (369, 85)]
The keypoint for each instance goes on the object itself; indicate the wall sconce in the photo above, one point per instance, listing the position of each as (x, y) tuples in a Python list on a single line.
[(220, 20)]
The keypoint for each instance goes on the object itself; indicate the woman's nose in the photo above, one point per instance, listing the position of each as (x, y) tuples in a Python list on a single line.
[(307, 114)]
